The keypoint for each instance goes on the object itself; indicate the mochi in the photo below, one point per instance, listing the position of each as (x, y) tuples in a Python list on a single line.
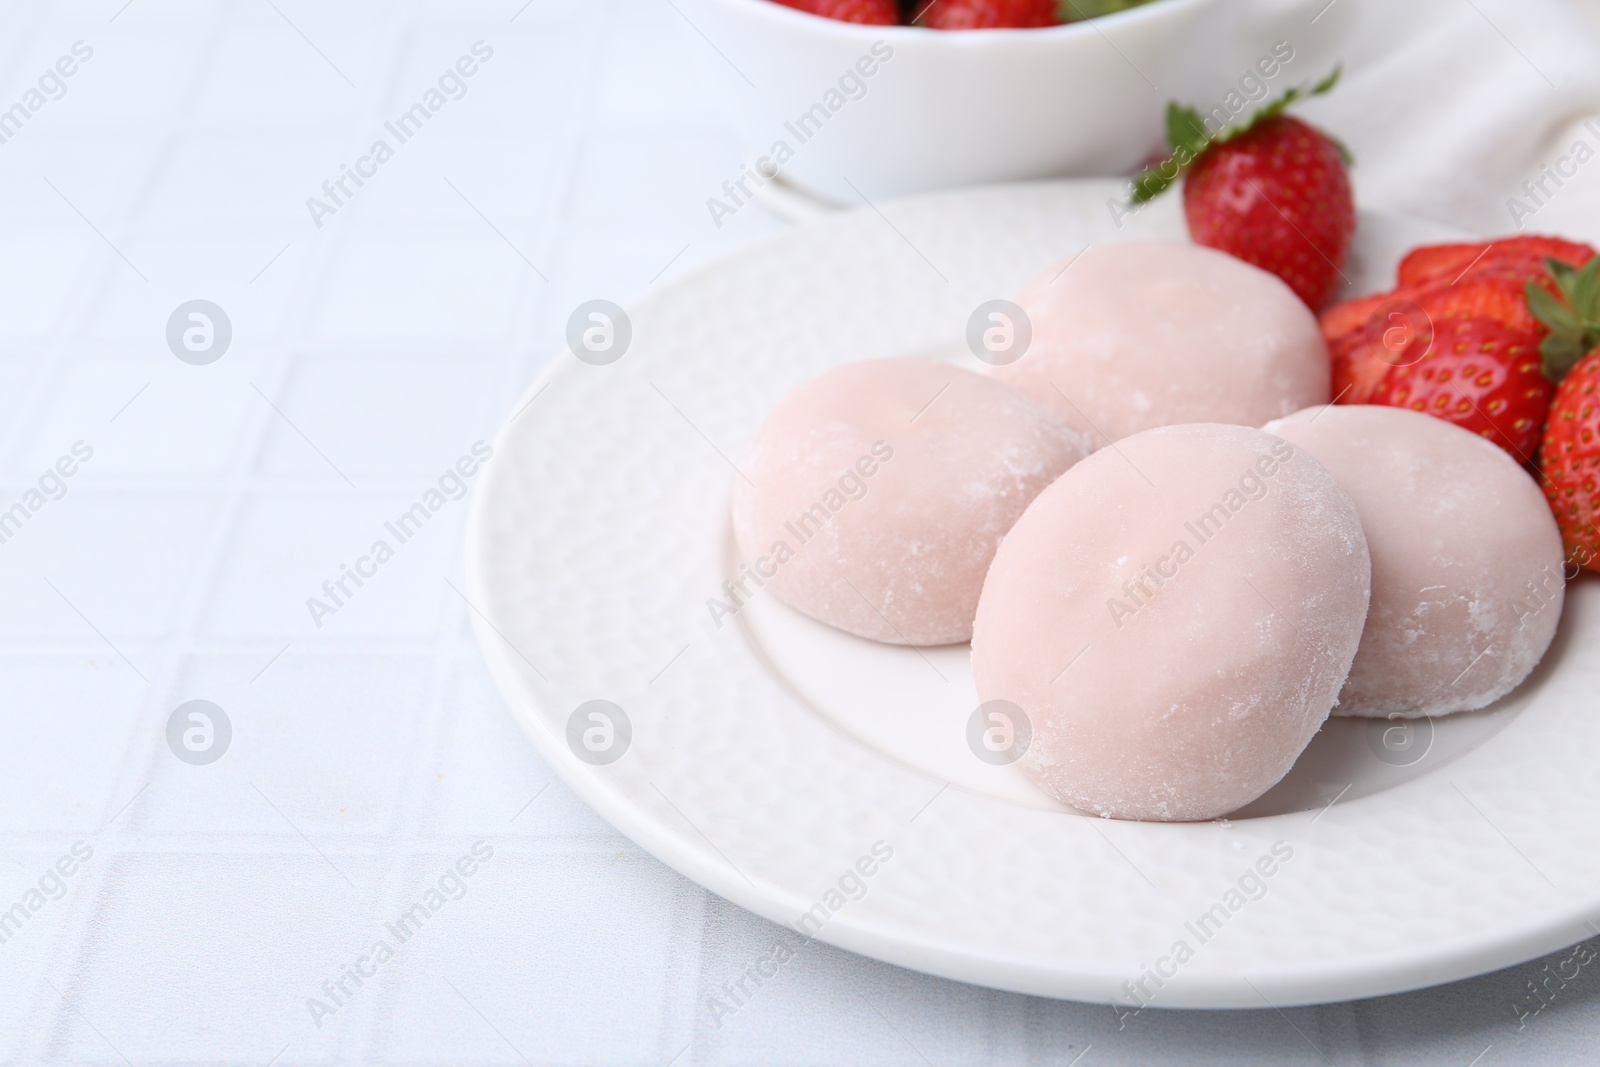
[(1138, 334), (1467, 571), (1174, 617), (872, 498)]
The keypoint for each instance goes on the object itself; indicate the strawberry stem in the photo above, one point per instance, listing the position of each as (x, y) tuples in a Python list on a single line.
[(1572, 313), (1189, 140)]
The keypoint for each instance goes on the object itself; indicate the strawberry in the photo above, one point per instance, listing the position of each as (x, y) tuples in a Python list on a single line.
[(871, 12), (1449, 263), (1278, 197), (1436, 263), (1497, 297), (1568, 302), (1348, 318), (1358, 369), (1481, 374), (1570, 455), (986, 14), (1271, 191), (1490, 296), (1368, 335)]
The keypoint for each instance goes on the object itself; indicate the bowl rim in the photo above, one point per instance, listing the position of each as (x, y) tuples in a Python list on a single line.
[(782, 15)]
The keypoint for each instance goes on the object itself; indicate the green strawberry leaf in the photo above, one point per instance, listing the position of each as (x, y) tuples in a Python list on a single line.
[(1328, 82), (1149, 185), (1079, 10), (1189, 140), (1550, 310), (1185, 128), (1585, 290), (1572, 313), (1278, 106)]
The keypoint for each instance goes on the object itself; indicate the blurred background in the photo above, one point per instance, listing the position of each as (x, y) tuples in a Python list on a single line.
[(202, 889)]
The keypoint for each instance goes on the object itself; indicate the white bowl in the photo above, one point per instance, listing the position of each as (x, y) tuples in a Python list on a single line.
[(948, 108)]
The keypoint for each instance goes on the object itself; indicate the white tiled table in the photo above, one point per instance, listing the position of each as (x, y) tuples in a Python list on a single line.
[(368, 754)]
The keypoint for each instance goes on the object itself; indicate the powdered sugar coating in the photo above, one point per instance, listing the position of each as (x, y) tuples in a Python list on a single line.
[(1175, 615), (878, 492), (1467, 581), (1138, 334)]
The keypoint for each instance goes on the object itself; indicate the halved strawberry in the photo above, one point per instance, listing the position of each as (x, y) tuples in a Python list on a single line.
[(1448, 263), (1430, 263), (1358, 369), (1368, 335), (1499, 297), (1348, 318)]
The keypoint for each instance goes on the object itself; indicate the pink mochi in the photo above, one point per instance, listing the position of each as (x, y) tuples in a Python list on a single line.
[(1175, 616), (1467, 580), (874, 496), (1138, 334)]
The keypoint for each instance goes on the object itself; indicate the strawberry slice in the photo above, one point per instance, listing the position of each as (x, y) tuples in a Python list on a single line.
[(1349, 317), (1433, 264), (1436, 263), (1497, 296), (1359, 369), (1375, 333)]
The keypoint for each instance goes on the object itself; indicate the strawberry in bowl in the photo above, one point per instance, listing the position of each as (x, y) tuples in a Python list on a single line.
[(964, 14), (986, 14), (866, 12)]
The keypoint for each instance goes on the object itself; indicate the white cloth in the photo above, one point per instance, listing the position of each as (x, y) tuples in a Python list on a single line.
[(1449, 105), (370, 753)]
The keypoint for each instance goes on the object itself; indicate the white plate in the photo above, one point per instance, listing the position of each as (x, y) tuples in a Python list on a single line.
[(770, 756)]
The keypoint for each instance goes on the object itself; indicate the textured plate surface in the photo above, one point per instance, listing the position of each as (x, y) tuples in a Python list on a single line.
[(825, 783)]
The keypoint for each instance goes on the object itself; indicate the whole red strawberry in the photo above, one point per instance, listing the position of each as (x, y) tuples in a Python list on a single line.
[(872, 12), (986, 14), (1570, 455), (1567, 301), (1276, 196), (1482, 375), (1272, 191)]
